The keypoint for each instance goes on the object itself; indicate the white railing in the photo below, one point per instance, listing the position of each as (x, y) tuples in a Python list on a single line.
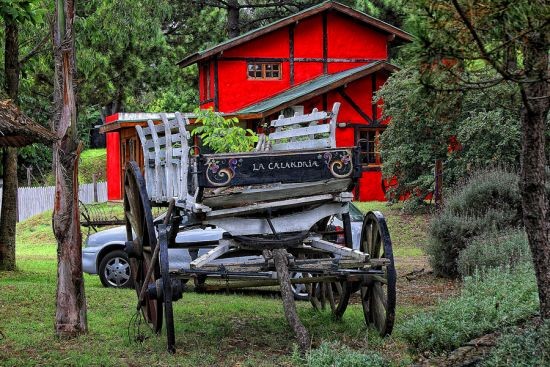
[(35, 200)]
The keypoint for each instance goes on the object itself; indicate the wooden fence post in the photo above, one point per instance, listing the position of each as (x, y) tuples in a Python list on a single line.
[(29, 174), (438, 175), (94, 180)]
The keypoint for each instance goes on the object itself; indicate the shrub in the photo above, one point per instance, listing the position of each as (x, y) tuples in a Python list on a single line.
[(528, 348), (223, 135), (493, 250), (427, 122), (485, 190), (336, 355), (488, 302), (488, 201)]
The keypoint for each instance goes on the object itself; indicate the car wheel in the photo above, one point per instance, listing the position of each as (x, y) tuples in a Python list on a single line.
[(298, 289), (115, 271)]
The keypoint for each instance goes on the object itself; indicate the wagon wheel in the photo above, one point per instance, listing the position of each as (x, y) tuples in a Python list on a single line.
[(335, 294), (141, 238), (166, 289), (378, 295)]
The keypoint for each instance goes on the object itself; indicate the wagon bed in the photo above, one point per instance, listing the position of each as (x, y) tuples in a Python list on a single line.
[(274, 202)]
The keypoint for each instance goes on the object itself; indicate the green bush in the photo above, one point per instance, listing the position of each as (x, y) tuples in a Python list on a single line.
[(494, 250), (426, 120), (336, 355), (488, 302), (222, 135), (488, 201), (485, 190), (531, 347)]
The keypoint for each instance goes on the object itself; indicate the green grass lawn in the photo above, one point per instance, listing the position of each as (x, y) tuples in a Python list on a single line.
[(92, 161), (211, 329), (409, 233)]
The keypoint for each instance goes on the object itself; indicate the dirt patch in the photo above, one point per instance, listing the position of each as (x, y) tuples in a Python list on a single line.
[(418, 286)]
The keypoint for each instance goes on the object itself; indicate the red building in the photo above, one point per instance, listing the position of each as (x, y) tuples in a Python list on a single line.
[(312, 59), (324, 54)]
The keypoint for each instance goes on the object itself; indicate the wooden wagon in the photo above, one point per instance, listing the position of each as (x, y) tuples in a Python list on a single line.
[(273, 203)]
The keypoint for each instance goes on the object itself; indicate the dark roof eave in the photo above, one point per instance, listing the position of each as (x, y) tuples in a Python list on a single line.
[(193, 58)]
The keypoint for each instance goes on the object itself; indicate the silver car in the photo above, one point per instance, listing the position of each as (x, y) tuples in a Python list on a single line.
[(103, 252)]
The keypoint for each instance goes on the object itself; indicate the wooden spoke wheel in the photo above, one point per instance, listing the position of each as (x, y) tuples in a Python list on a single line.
[(378, 294), (334, 294), (140, 234)]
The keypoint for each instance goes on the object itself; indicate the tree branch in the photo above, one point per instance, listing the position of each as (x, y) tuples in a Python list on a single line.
[(36, 50), (479, 42), (466, 84), (520, 35), (267, 5), (219, 4), (257, 20)]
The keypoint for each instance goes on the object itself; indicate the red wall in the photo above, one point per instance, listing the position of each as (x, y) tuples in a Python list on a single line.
[(347, 38), (114, 180), (304, 71), (370, 187), (274, 44), (308, 38), (236, 91)]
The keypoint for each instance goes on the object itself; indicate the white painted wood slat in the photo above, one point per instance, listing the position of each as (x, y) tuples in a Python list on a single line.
[(169, 167), (300, 131), (162, 140), (159, 128), (158, 182), (183, 166), (285, 121), (305, 144)]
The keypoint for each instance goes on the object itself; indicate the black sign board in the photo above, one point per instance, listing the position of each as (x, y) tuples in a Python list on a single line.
[(219, 170)]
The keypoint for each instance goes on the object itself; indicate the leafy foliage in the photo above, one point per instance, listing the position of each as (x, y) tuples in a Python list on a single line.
[(122, 50), (38, 157), (18, 10), (494, 250), (221, 134), (488, 201), (528, 347), (487, 303), (336, 355), (465, 131)]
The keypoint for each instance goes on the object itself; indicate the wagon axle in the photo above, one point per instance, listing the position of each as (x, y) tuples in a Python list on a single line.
[(155, 290)]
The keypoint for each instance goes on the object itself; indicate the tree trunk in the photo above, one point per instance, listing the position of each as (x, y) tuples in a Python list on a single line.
[(70, 316), (281, 264), (8, 215), (536, 103), (233, 27), (11, 60)]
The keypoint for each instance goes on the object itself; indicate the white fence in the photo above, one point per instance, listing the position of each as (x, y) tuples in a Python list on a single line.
[(35, 200)]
